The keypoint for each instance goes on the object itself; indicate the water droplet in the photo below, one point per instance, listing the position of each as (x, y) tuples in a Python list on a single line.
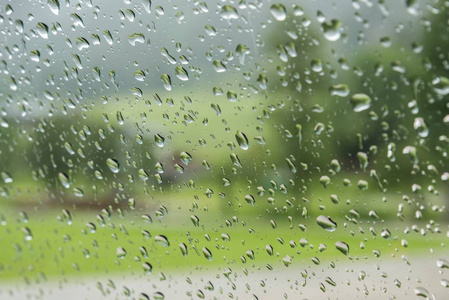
[(143, 174), (195, 220), (210, 30), (242, 51), (207, 253), (229, 12), (139, 75), (121, 252), (136, 38), (421, 127), (181, 73), (385, 234), (340, 90), (325, 181), (160, 140), (219, 67), (162, 240), (185, 158), (287, 260), (330, 281), (279, 12), (360, 102), (262, 80), (166, 80), (27, 232), (242, 140), (422, 292), (326, 223), (412, 7), (441, 86), (331, 30), (82, 43), (442, 263), (235, 160), (183, 249), (113, 165), (147, 267), (342, 247), (42, 30), (250, 200)]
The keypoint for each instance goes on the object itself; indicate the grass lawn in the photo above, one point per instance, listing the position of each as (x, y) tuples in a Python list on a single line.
[(56, 248)]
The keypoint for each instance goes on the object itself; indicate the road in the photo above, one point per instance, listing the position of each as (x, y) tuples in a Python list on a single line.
[(391, 278)]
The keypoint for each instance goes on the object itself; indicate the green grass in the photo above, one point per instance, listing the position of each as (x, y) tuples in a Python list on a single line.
[(58, 248)]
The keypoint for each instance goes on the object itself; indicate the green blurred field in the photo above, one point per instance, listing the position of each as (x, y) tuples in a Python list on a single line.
[(59, 249)]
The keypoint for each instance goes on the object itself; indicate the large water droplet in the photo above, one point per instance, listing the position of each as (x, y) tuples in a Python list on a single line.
[(342, 247), (331, 30), (64, 179), (421, 127), (279, 12), (242, 140), (162, 240), (54, 6), (326, 223), (441, 86), (229, 12), (113, 165), (360, 102)]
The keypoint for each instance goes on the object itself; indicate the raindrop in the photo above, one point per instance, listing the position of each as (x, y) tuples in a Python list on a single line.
[(181, 73), (54, 6), (250, 200), (242, 140), (331, 30), (342, 247), (340, 90), (121, 252), (183, 249), (421, 127), (441, 86), (166, 81), (207, 253), (422, 292), (159, 140), (147, 267), (360, 102), (162, 240), (229, 12), (136, 38), (279, 12), (185, 158), (219, 67), (442, 263), (113, 165), (326, 223)]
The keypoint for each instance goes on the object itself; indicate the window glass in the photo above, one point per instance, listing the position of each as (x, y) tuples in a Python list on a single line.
[(237, 149)]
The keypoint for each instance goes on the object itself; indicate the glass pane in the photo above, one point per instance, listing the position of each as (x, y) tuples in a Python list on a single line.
[(224, 149)]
